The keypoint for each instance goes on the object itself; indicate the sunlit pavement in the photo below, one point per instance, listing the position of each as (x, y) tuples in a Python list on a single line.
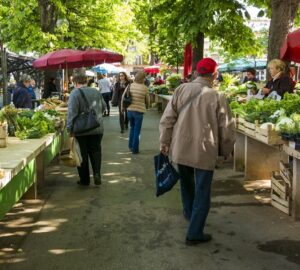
[(122, 225)]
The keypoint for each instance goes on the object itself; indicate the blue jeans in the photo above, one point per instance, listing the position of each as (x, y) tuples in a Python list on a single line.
[(135, 120), (195, 186)]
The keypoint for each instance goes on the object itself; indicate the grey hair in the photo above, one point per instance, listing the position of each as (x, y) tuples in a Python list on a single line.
[(79, 75), (25, 78)]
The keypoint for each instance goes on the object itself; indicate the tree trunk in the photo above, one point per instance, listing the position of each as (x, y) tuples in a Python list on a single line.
[(282, 18), (198, 49), (48, 15)]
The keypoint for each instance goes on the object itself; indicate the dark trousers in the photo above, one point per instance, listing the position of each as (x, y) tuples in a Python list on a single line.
[(90, 148), (123, 118), (195, 186), (106, 97)]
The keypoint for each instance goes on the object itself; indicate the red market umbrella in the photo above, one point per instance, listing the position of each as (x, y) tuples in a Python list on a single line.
[(65, 58), (188, 57), (152, 69), (68, 58), (96, 56), (290, 50)]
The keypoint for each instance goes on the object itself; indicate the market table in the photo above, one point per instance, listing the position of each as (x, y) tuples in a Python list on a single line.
[(23, 162), (257, 159), (162, 101)]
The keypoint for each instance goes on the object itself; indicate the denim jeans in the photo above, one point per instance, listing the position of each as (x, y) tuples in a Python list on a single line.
[(135, 121), (195, 185)]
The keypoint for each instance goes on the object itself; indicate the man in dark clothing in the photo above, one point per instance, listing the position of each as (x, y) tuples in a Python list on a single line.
[(21, 95), (50, 88), (251, 76)]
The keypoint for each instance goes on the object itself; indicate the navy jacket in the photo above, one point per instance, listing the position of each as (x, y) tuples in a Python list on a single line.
[(21, 97)]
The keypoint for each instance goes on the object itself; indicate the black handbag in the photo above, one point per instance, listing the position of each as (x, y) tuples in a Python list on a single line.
[(86, 120), (127, 99)]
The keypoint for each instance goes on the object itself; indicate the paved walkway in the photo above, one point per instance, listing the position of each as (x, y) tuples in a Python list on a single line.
[(122, 225)]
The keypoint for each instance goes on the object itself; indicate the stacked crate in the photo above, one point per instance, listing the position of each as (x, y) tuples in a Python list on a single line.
[(281, 188), (268, 136)]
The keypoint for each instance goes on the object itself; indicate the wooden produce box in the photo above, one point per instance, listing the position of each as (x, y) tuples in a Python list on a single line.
[(268, 136), (286, 173), (239, 123), (250, 128), (280, 193)]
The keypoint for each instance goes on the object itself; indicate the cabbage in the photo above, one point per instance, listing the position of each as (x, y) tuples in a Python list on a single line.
[(285, 124), (265, 125)]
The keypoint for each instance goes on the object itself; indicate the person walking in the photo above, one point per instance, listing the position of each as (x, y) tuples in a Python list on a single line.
[(120, 85), (104, 87), (140, 101), (21, 95), (90, 141), (197, 126)]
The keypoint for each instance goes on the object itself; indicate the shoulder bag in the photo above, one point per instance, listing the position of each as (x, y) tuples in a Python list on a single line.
[(127, 98), (86, 120)]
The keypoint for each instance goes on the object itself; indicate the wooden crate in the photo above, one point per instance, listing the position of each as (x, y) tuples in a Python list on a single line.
[(280, 193), (239, 123), (249, 128), (286, 173), (268, 136)]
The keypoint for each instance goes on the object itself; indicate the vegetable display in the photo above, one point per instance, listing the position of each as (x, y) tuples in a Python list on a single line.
[(30, 124)]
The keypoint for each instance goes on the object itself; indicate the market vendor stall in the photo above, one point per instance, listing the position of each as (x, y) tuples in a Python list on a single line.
[(39, 138), (24, 169)]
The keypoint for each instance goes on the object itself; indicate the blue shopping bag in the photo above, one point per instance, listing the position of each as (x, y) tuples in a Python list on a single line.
[(166, 175)]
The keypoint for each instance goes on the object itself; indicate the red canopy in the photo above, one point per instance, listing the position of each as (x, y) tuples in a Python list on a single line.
[(68, 58), (188, 59), (59, 59), (97, 56), (290, 50), (152, 69)]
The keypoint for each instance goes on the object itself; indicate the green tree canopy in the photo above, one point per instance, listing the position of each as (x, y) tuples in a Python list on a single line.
[(44, 25)]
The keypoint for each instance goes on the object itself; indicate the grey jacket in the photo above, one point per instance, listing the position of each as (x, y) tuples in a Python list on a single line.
[(76, 105)]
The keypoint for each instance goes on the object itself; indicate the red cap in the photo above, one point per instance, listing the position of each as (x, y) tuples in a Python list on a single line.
[(206, 65)]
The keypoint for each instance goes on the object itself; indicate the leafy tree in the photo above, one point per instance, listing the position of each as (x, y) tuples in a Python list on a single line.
[(221, 21), (146, 23), (29, 25), (282, 14)]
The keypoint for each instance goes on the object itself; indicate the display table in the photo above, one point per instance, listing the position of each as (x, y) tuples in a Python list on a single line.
[(24, 162), (162, 101), (257, 159)]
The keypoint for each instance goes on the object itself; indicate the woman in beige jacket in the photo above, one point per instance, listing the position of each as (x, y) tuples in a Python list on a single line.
[(136, 110)]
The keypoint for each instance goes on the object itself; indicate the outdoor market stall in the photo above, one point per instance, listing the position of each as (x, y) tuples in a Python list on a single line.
[(24, 170), (40, 138)]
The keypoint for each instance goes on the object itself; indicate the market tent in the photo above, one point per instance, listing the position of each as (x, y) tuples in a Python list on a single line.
[(290, 50), (90, 73), (242, 65), (108, 68), (188, 57), (69, 58), (96, 56), (152, 69), (59, 59)]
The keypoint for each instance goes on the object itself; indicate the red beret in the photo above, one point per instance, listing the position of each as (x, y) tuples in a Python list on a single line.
[(206, 65)]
